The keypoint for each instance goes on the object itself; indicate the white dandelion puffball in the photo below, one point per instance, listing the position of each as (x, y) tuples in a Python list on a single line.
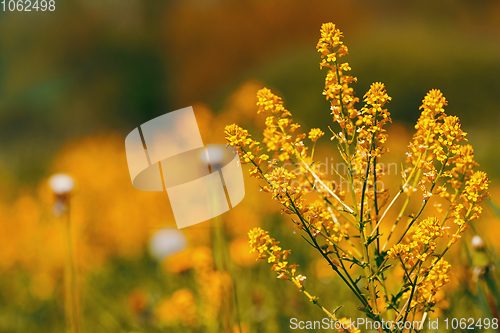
[(477, 242), (61, 183), (167, 242), (216, 155)]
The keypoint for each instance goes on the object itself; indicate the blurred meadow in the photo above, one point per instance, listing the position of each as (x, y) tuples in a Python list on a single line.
[(74, 82)]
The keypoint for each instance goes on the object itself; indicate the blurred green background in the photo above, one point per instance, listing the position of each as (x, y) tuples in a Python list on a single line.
[(91, 66)]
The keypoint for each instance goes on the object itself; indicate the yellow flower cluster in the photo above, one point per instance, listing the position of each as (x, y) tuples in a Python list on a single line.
[(283, 145), (287, 187), (463, 166), (284, 189), (280, 182), (364, 127), (330, 45), (321, 219), (267, 248), (350, 326), (428, 127), (450, 135), (438, 162), (422, 243), (439, 137), (269, 103), (371, 135), (279, 127), (423, 240), (315, 134), (427, 292), (476, 189), (239, 138), (337, 89), (402, 252)]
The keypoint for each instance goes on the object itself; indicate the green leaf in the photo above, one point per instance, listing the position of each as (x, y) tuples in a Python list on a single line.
[(336, 309), (371, 239)]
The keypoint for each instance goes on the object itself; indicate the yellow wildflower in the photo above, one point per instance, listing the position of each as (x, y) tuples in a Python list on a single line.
[(371, 135), (427, 291), (315, 134), (337, 88), (237, 136), (267, 248), (180, 307), (400, 251), (423, 240), (270, 103), (330, 45), (348, 326), (476, 189)]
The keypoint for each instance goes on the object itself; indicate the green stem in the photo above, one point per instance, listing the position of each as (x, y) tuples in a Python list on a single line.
[(334, 267), (70, 280)]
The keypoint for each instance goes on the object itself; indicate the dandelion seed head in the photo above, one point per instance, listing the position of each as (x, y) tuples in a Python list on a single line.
[(167, 242), (477, 243), (61, 183)]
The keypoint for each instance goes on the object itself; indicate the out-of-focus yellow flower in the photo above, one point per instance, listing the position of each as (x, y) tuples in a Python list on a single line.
[(238, 249), (210, 282), (242, 218), (178, 263), (43, 284), (25, 227), (137, 301), (244, 328), (180, 307), (241, 104)]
